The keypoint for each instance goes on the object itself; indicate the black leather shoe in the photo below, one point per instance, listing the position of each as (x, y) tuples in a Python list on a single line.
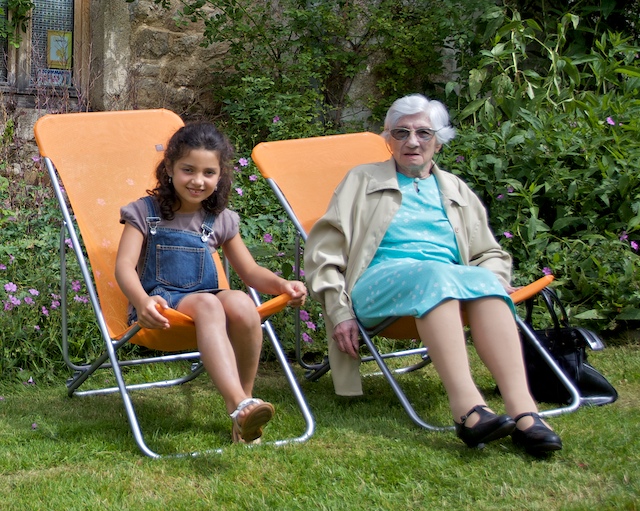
[(489, 427), (538, 440)]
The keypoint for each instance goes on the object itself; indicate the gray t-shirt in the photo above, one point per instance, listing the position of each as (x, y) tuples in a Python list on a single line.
[(225, 227)]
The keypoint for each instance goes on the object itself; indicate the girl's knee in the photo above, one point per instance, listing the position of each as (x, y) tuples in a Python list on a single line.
[(239, 307)]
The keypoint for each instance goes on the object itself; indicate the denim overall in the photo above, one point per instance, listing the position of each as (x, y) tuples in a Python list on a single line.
[(176, 262)]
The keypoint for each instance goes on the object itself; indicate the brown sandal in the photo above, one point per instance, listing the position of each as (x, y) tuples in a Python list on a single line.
[(250, 430)]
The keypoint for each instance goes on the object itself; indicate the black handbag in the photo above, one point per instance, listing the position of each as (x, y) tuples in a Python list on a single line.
[(567, 345)]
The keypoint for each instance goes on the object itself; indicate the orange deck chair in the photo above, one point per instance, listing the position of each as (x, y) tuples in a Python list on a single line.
[(303, 173), (97, 163)]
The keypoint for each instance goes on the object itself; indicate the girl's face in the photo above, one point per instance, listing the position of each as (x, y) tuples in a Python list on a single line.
[(195, 177)]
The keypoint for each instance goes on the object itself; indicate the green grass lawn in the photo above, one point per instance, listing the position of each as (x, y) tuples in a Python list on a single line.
[(58, 453)]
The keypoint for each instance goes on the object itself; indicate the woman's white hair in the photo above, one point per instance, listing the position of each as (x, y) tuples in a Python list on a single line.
[(419, 104)]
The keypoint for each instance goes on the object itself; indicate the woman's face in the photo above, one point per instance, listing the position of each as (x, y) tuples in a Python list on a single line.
[(414, 154)]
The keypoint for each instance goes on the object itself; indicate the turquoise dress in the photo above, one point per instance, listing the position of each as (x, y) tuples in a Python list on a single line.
[(417, 265)]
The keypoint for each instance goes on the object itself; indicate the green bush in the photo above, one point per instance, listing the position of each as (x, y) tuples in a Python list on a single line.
[(552, 147)]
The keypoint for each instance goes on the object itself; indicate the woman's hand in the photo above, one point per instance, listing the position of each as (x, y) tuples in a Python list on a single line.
[(149, 316), (297, 291), (346, 335)]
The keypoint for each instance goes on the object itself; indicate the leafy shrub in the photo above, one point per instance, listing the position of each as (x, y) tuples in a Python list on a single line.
[(552, 148)]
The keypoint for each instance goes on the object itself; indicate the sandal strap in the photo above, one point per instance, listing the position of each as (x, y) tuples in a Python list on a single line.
[(527, 414), (476, 409), (243, 404)]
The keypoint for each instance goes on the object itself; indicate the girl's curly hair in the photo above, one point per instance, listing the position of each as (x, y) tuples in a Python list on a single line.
[(198, 135)]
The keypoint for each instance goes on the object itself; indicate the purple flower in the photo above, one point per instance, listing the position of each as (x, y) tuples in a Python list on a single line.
[(243, 162), (304, 315), (28, 300), (76, 286), (2, 267), (307, 338), (624, 236), (634, 245), (311, 325), (35, 158), (510, 189), (36, 327), (45, 311), (500, 197), (610, 121), (239, 191), (81, 299), (1, 398), (253, 177), (276, 119), (15, 301), (507, 234), (34, 292), (55, 304), (267, 238), (547, 271), (67, 241), (459, 159), (30, 381), (34, 425), (10, 287)]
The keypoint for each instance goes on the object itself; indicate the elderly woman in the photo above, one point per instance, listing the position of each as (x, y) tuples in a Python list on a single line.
[(404, 238)]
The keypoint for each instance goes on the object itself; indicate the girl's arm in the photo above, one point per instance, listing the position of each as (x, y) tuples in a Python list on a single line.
[(129, 281), (258, 277)]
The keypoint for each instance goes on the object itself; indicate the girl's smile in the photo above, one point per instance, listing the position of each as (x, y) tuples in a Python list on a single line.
[(195, 177)]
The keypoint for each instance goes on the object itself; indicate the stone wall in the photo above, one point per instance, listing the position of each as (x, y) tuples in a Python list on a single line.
[(142, 59)]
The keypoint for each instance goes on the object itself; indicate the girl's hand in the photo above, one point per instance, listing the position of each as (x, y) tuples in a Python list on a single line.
[(297, 291), (149, 316)]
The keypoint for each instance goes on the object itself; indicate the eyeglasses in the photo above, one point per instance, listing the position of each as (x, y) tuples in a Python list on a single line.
[(424, 134)]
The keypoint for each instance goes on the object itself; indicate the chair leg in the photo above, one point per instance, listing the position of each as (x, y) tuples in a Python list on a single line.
[(575, 401), (388, 374)]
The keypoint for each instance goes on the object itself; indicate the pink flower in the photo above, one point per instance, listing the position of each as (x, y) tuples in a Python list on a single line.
[(459, 159), (34, 425), (547, 271), (253, 177), (311, 325), (81, 299), (500, 197), (624, 236), (507, 234), (10, 287), (304, 315), (634, 245), (267, 238), (2, 267), (28, 300), (276, 119), (45, 311), (239, 191), (55, 304), (75, 285), (610, 121), (243, 162), (34, 292), (307, 338)]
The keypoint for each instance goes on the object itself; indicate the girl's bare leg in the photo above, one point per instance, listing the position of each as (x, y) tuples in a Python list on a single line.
[(217, 350)]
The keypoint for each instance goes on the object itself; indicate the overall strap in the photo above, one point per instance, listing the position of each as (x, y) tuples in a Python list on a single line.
[(154, 215), (207, 226)]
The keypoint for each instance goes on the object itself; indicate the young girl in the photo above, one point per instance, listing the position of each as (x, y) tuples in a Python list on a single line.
[(164, 258)]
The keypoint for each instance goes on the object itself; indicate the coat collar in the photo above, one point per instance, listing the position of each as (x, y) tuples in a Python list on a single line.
[(384, 178)]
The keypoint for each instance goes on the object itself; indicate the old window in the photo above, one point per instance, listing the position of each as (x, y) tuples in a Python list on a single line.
[(51, 52)]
